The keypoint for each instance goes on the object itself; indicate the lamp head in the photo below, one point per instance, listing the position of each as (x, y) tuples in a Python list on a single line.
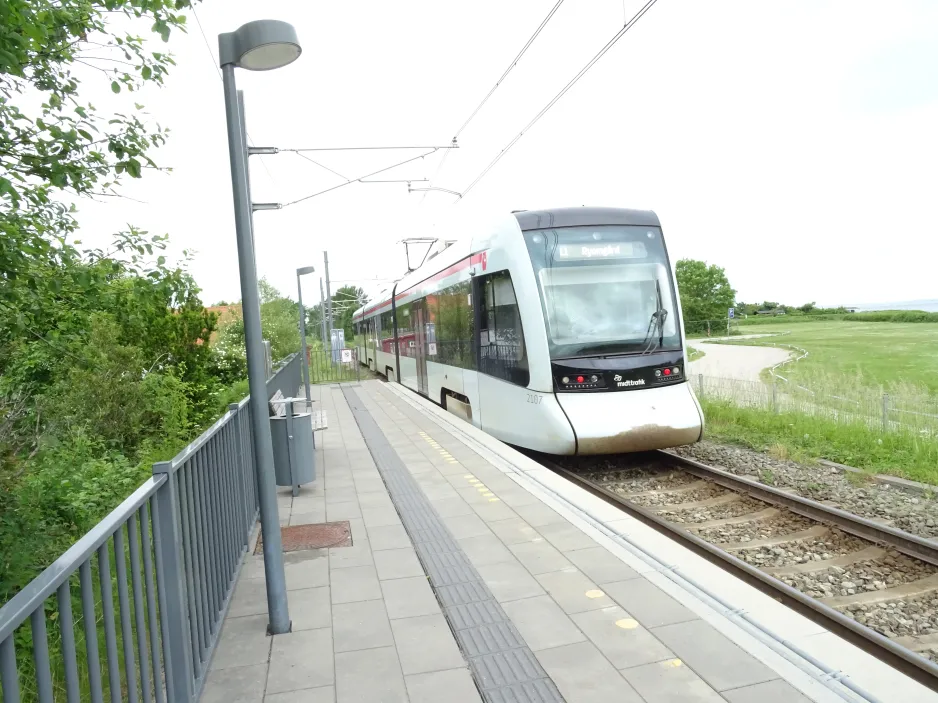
[(262, 45), (305, 270)]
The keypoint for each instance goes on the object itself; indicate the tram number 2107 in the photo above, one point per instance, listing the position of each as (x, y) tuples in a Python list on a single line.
[(535, 399)]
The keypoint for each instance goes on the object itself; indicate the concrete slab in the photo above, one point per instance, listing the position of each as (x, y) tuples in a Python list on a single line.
[(361, 625), (243, 684), (355, 583), (647, 603), (300, 660), (573, 592), (623, 641), (452, 686), (409, 597), (244, 642), (670, 682), (542, 623), (397, 563), (509, 581), (326, 694), (372, 675), (584, 675), (601, 566), (426, 644), (716, 659), (777, 691)]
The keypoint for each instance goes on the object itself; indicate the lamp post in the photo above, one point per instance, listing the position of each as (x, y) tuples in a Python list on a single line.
[(256, 46), (299, 294)]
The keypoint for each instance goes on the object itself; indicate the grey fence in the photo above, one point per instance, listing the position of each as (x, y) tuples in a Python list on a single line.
[(328, 367), (887, 412), (171, 552)]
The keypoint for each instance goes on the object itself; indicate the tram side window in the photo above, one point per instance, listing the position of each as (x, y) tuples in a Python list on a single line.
[(501, 339), (405, 330), (386, 331), (454, 326)]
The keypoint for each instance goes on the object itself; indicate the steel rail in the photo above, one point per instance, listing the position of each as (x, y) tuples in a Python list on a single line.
[(904, 660), (905, 542)]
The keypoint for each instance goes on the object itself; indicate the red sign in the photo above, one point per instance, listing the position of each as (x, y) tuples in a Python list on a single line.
[(484, 260)]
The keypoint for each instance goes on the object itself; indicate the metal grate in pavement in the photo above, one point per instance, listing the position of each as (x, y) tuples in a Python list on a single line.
[(503, 666)]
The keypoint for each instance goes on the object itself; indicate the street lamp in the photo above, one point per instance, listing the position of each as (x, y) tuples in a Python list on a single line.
[(256, 46), (299, 294)]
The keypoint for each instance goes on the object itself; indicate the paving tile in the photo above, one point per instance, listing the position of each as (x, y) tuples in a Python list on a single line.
[(243, 642), (250, 598), (308, 568), (409, 597), (357, 555), (509, 581), (566, 536), (583, 675), (539, 557), (370, 484), (300, 660), (355, 583), (362, 625), (369, 675), (340, 491), (462, 526), (601, 565), (670, 682), (715, 658), (342, 511), (310, 608), (485, 549), (388, 537), (379, 517), (573, 591), (620, 638), (452, 686), (536, 514), (493, 510), (397, 564), (513, 531), (308, 518), (542, 623), (647, 603), (776, 691), (426, 644), (375, 500), (449, 507), (325, 694), (242, 684)]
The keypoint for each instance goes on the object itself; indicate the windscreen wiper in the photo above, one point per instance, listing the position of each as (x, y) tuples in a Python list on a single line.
[(658, 318)]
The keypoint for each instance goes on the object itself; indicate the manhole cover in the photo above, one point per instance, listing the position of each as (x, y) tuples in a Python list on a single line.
[(319, 536)]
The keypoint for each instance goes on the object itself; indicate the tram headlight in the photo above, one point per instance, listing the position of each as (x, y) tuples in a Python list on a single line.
[(565, 379)]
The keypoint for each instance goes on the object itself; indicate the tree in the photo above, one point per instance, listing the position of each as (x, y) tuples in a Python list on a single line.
[(705, 292), (345, 302), (52, 141)]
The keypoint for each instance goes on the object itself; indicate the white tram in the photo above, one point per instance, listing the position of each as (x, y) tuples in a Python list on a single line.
[(554, 330)]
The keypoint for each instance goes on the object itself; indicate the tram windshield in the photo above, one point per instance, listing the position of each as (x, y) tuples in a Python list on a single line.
[(605, 290)]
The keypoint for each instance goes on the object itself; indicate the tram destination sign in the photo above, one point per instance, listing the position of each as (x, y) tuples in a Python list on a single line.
[(598, 250)]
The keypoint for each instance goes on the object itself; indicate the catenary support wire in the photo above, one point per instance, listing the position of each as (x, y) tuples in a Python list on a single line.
[(618, 35)]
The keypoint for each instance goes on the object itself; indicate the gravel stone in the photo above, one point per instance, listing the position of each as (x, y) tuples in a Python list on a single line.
[(917, 616), (917, 514), (710, 490), (834, 544), (782, 524), (743, 506), (893, 570)]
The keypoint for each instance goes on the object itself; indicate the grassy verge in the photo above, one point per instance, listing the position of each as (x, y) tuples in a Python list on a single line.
[(806, 438), (693, 354)]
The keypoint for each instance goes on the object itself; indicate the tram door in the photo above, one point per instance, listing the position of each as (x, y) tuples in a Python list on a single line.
[(420, 342)]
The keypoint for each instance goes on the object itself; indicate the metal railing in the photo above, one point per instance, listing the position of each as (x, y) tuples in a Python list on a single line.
[(324, 368), (171, 552)]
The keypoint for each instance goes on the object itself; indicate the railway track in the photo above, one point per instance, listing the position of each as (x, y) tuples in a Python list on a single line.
[(868, 582)]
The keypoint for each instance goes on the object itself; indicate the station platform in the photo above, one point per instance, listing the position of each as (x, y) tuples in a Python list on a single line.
[(474, 574)]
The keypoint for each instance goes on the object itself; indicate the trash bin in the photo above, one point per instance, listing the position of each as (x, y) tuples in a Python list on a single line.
[(294, 455)]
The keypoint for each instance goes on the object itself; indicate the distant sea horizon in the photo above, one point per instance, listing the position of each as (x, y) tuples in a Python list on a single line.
[(926, 305)]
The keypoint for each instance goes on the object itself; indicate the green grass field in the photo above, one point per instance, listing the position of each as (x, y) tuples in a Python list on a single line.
[(871, 354)]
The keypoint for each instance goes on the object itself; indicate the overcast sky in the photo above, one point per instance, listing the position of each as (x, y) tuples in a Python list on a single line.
[(792, 143)]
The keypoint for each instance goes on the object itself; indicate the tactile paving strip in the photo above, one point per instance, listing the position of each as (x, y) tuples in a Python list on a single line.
[(504, 667)]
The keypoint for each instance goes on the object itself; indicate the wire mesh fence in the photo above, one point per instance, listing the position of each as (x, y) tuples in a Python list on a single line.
[(910, 412), (333, 366)]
